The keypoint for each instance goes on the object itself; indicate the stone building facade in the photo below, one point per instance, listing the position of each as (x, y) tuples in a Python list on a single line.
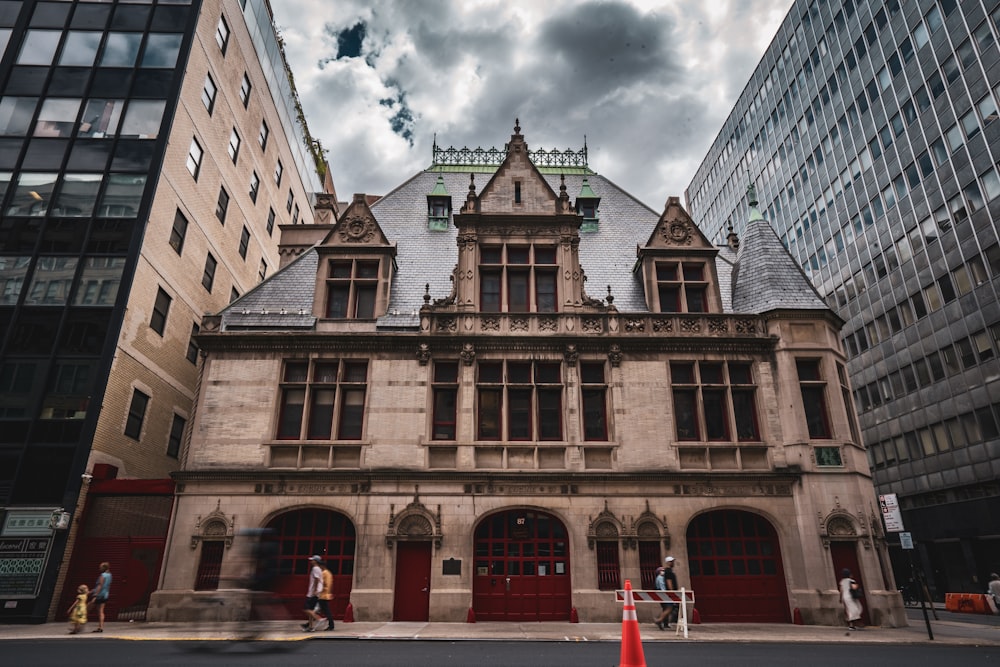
[(501, 406)]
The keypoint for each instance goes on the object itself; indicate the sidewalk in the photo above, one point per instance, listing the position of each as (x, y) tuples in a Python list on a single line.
[(945, 632)]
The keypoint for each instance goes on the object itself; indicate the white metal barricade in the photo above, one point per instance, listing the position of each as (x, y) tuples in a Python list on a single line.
[(683, 597)]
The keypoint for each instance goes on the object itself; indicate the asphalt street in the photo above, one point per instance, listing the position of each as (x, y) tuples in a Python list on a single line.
[(368, 653)]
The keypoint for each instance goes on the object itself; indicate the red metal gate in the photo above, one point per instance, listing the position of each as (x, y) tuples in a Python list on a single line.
[(735, 564), (522, 568), (124, 523), (304, 533), (412, 592)]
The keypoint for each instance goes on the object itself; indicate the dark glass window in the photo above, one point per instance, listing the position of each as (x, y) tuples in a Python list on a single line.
[(445, 389), (244, 242), (136, 414), (208, 276), (813, 390), (161, 50), (161, 307), (176, 435), (192, 348), (222, 205)]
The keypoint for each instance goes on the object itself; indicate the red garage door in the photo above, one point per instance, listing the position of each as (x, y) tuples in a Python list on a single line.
[(735, 564), (522, 568), (303, 533)]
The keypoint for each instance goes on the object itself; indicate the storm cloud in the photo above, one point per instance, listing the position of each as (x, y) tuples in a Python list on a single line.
[(648, 83)]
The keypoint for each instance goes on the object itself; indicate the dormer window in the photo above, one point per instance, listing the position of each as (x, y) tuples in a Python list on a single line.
[(438, 207), (518, 278), (586, 207), (681, 287), (352, 287), (517, 192)]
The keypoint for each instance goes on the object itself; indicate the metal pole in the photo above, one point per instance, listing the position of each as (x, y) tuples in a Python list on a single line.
[(920, 587)]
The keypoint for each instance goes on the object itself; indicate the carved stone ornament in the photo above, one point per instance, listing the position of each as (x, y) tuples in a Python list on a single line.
[(604, 527), (839, 525), (423, 353), (468, 354), (571, 354), (415, 523), (647, 527), (677, 232), (357, 229), (615, 355), (214, 526)]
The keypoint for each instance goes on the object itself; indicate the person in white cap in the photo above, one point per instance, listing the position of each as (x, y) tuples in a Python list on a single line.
[(666, 580), (312, 594)]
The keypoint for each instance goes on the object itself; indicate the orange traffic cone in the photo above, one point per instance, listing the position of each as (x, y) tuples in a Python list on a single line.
[(631, 655)]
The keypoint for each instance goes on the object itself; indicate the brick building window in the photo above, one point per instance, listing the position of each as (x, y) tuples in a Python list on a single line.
[(518, 278), (681, 287), (222, 34), (136, 414), (161, 307), (176, 434), (195, 153), (263, 135), (192, 348), (519, 400), (445, 390), (813, 390), (208, 93), (323, 399), (279, 170), (244, 242), (234, 145), (593, 390), (270, 221), (714, 400), (208, 276), (351, 287), (178, 232), (245, 88), (222, 205), (254, 187)]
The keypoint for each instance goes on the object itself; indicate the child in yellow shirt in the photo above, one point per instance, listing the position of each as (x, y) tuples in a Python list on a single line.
[(78, 611)]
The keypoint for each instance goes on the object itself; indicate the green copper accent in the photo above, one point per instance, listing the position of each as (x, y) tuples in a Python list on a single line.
[(585, 191), (439, 190), (752, 200)]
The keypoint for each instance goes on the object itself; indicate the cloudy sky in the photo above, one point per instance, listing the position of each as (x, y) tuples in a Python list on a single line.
[(649, 83)]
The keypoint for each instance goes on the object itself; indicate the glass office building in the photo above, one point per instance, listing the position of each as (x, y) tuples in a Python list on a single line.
[(148, 149), (870, 129)]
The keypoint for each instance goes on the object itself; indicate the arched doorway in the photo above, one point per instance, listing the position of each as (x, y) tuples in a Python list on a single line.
[(735, 564), (302, 533), (522, 568)]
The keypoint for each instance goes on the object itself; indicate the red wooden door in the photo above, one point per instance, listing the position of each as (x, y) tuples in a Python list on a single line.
[(522, 568), (845, 556), (412, 592), (735, 564)]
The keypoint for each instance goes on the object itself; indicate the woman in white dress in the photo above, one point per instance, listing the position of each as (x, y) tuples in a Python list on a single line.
[(852, 606)]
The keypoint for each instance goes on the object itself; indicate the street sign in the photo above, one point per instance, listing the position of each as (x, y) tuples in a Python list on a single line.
[(906, 540), (891, 515)]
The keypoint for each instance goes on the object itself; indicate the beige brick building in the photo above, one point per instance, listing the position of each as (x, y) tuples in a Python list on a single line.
[(151, 154), (504, 388)]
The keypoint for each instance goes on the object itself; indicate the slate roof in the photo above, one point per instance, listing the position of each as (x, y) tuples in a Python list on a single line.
[(761, 276), (289, 290), (766, 277)]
